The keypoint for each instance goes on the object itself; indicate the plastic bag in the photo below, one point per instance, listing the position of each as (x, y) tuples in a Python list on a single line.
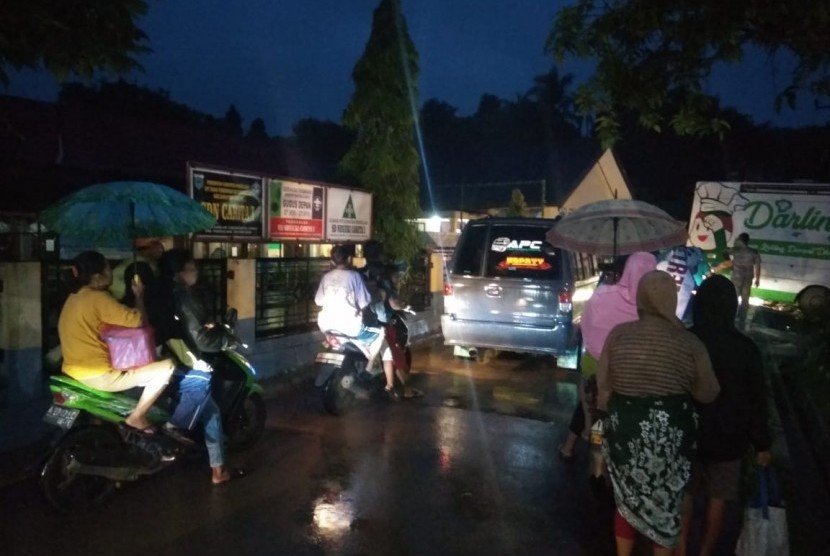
[(598, 467), (129, 347), (764, 531)]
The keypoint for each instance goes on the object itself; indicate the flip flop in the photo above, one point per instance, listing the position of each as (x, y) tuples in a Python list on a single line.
[(146, 431), (178, 435), (233, 473), (412, 393)]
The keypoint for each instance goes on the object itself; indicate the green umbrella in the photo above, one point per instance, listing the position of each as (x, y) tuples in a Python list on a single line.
[(111, 213)]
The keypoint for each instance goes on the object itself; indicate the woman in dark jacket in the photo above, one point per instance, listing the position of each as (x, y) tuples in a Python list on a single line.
[(736, 420), (186, 330)]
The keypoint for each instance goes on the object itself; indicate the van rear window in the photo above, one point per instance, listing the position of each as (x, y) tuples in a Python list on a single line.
[(516, 252), (470, 253), (506, 250)]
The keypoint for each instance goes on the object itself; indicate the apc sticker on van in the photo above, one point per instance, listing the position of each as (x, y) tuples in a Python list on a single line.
[(502, 244)]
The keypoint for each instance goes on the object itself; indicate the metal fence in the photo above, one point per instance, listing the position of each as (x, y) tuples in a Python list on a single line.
[(285, 291), (54, 291), (27, 246), (585, 266), (212, 287)]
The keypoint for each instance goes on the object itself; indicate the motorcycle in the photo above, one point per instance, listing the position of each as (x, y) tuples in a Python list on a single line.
[(95, 451), (342, 372)]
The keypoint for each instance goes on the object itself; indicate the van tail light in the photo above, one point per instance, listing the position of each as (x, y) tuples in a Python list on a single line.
[(565, 301), (448, 289)]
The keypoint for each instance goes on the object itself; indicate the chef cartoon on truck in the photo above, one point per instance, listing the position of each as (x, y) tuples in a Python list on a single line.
[(789, 225)]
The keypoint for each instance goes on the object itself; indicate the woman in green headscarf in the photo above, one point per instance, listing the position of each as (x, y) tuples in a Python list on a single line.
[(649, 373)]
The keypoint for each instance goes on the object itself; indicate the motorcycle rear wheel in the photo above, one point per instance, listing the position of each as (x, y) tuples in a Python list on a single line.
[(248, 424), (337, 400), (69, 491)]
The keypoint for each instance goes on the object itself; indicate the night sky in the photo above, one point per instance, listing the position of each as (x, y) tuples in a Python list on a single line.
[(291, 59)]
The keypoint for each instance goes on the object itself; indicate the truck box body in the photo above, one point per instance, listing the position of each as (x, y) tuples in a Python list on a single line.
[(789, 225)]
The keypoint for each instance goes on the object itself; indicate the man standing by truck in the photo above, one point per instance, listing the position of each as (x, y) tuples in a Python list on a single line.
[(745, 263)]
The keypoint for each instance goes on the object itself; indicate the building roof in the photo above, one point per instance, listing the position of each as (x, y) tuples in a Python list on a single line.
[(48, 150)]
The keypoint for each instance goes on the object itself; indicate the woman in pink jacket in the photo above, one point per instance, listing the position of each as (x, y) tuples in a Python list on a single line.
[(610, 305)]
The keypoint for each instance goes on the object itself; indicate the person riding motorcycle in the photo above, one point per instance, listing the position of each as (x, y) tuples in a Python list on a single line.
[(379, 276), (85, 354), (343, 297), (148, 251), (184, 328)]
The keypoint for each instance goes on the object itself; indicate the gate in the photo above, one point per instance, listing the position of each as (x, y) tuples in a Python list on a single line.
[(285, 291)]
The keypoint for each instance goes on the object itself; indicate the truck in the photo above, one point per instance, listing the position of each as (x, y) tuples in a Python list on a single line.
[(789, 225)]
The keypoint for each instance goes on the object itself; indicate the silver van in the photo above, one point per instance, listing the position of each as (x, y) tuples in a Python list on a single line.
[(507, 289)]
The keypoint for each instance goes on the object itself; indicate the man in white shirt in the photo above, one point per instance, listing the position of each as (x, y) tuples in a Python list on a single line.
[(342, 296)]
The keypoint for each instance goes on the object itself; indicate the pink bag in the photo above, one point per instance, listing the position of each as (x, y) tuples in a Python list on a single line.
[(129, 347)]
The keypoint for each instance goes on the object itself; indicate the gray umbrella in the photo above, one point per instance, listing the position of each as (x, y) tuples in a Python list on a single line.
[(617, 227)]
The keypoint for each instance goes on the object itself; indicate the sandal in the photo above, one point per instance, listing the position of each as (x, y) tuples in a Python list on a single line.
[(146, 431), (392, 394), (177, 434), (411, 393)]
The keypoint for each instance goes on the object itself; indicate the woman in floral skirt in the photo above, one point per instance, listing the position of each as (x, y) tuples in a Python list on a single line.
[(650, 371)]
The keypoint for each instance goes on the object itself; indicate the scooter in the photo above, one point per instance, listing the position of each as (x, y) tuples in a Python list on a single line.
[(342, 373), (95, 451)]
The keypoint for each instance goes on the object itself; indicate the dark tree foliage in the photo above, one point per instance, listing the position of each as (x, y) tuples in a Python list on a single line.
[(382, 113), (551, 94), (648, 52), (257, 131), (323, 145), (67, 37), (518, 205), (232, 122)]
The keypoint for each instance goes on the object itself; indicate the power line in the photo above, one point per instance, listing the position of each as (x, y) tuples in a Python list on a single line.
[(462, 186)]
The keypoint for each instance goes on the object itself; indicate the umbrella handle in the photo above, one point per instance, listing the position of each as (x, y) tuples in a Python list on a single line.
[(132, 237)]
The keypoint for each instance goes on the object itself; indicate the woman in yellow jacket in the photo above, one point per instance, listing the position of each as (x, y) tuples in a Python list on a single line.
[(85, 354)]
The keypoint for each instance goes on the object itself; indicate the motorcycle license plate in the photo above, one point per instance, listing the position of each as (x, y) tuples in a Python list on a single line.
[(63, 417)]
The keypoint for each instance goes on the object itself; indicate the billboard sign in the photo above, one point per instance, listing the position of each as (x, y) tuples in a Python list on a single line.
[(348, 215), (296, 210), (235, 199)]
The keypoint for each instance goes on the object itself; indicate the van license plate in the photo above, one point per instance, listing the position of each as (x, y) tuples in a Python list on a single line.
[(63, 417)]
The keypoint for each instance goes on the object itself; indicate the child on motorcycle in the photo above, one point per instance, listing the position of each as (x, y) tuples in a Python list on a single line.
[(394, 356), (85, 355), (380, 280)]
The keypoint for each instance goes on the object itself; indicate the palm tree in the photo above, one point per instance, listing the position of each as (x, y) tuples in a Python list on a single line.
[(558, 112)]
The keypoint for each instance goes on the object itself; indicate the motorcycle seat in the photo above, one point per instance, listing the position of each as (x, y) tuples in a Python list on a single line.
[(339, 335), (66, 381)]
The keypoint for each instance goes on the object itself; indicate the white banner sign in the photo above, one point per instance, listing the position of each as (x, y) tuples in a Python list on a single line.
[(348, 215)]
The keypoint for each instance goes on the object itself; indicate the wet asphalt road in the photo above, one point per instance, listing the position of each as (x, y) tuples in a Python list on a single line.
[(416, 477)]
